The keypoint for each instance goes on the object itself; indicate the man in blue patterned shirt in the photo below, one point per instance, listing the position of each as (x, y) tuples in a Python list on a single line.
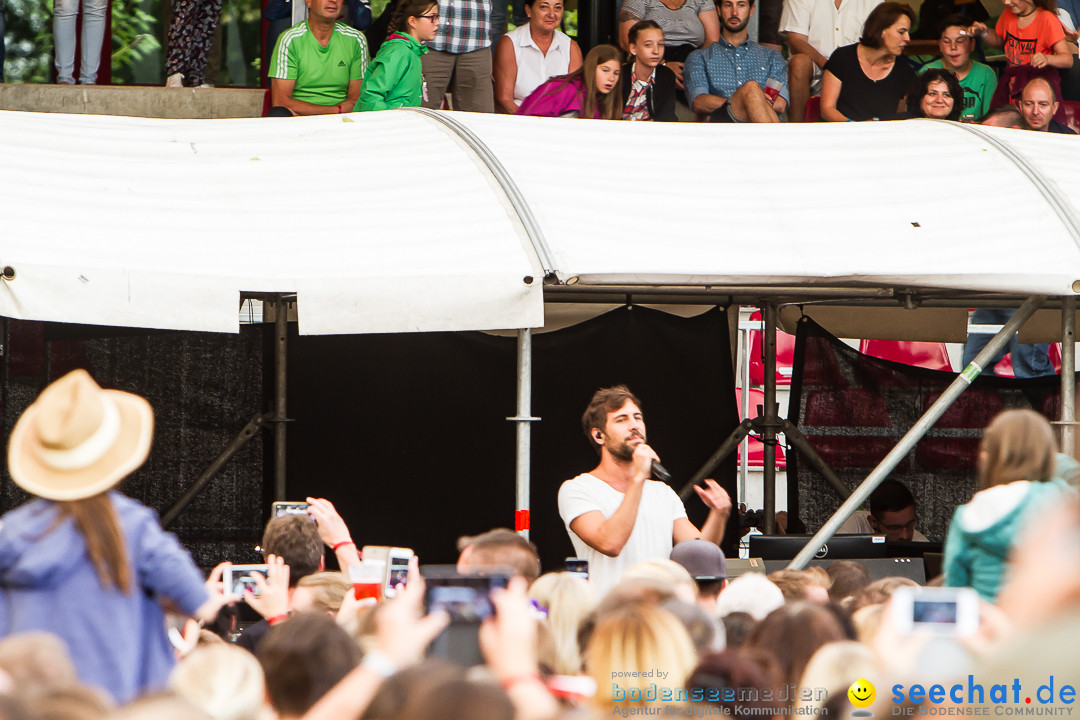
[(735, 79), (459, 60)]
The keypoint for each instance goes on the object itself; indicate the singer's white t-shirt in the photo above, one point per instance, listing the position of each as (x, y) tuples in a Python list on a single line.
[(651, 538)]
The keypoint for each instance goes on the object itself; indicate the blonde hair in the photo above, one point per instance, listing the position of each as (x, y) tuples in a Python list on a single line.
[(568, 599), (38, 663), (867, 620), (632, 638), (835, 667), (1017, 445), (224, 681), (668, 572), (327, 590)]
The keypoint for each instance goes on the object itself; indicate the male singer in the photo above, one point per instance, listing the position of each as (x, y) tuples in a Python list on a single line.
[(615, 515)]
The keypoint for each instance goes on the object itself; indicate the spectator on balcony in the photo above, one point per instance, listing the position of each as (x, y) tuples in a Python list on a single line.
[(735, 79), (978, 81), (396, 77), (65, 14), (1038, 103), (1034, 43), (867, 80), (318, 64), (814, 29), (687, 24), (592, 91), (936, 94), (460, 57), (648, 87), (531, 54)]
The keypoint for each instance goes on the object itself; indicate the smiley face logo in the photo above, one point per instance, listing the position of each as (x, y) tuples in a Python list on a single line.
[(862, 693)]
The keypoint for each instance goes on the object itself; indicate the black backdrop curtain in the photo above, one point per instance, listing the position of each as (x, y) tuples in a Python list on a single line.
[(407, 434)]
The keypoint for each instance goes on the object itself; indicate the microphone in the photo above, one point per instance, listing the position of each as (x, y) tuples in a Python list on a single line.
[(660, 473)]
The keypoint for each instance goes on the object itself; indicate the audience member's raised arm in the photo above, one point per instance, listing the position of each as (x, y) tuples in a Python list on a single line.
[(334, 532), (987, 34), (402, 633), (508, 641)]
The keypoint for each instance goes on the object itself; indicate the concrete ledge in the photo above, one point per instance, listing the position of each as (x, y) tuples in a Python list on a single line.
[(134, 101)]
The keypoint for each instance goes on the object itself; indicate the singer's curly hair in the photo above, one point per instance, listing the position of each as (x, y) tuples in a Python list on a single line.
[(604, 401)]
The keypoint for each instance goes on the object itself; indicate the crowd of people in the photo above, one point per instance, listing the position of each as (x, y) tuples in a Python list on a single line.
[(685, 59), (104, 615)]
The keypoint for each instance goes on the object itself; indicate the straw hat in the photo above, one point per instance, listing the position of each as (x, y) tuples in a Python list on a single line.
[(78, 440)]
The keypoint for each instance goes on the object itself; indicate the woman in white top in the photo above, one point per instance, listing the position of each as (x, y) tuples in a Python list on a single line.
[(527, 57)]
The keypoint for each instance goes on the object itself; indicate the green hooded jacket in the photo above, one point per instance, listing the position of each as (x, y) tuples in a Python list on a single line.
[(395, 77)]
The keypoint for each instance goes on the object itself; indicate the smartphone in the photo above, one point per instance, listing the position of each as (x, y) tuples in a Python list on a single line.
[(238, 578), (935, 611), (577, 566), (467, 598), (397, 570), (281, 509)]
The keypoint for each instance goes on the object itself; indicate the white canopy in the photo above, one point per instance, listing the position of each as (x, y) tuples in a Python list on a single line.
[(420, 221)]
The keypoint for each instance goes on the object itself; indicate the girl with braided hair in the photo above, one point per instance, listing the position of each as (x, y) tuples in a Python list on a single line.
[(395, 78)]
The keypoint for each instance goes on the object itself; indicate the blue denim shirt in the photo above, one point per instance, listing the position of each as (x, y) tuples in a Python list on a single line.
[(116, 640), (723, 68)]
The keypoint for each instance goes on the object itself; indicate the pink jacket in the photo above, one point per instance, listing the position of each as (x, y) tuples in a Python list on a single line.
[(558, 97)]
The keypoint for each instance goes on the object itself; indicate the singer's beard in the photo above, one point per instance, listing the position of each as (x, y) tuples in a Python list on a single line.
[(625, 451)]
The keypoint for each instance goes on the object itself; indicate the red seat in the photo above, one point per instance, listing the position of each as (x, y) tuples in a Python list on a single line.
[(812, 113), (1071, 108), (755, 449), (785, 355), (920, 354)]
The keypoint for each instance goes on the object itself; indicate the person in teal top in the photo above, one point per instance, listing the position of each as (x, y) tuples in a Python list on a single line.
[(1018, 483), (318, 64), (396, 78), (979, 81)]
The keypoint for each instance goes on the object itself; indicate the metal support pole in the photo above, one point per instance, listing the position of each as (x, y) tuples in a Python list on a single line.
[(797, 440), (726, 448), (210, 472), (524, 431), (281, 348), (1068, 376), (769, 413), (920, 428)]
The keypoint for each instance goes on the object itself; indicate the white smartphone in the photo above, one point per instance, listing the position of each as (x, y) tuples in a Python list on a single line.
[(396, 562), (936, 611), (237, 578), (397, 570)]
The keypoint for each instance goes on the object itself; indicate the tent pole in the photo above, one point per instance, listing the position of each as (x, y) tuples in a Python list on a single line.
[(768, 435), (1068, 376), (920, 428), (281, 330), (524, 431)]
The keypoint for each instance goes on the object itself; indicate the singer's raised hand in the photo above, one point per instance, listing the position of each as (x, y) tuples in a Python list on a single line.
[(715, 497)]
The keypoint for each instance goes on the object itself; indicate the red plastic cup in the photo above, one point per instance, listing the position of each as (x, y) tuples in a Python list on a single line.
[(367, 579)]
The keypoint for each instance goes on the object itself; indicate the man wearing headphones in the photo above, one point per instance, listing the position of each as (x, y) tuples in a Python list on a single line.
[(615, 515)]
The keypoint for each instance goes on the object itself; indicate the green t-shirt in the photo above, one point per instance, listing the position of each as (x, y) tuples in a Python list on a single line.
[(322, 74), (979, 86)]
